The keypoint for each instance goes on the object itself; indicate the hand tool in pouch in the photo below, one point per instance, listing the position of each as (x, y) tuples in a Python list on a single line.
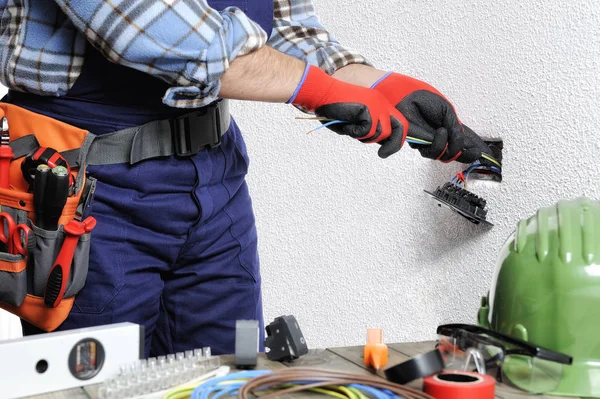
[(6, 154), (55, 197), (59, 274), (19, 238), (60, 271), (44, 156), (39, 192)]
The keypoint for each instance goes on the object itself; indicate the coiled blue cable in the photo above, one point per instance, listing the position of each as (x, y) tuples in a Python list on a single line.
[(204, 390), (375, 392), (227, 386)]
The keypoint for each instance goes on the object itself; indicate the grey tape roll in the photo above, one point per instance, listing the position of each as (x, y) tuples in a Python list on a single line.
[(246, 343), (420, 366)]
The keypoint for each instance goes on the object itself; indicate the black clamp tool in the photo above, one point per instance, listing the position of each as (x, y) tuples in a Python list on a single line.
[(285, 341)]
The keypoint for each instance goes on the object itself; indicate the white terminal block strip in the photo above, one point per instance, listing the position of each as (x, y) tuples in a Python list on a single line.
[(67, 359), (157, 374)]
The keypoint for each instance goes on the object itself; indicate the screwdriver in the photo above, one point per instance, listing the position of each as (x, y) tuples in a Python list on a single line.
[(39, 190), (55, 196), (6, 154)]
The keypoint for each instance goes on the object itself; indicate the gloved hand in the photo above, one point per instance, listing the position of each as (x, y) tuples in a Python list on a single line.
[(369, 116), (431, 117)]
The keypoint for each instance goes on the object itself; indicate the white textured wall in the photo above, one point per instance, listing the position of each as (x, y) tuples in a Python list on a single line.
[(349, 240)]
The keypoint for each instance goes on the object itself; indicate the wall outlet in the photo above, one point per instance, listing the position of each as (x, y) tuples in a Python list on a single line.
[(496, 145)]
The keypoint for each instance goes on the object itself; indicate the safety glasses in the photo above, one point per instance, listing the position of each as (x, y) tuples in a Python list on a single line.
[(529, 367)]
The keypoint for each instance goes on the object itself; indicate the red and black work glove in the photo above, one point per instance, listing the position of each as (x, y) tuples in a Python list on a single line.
[(431, 117), (368, 116)]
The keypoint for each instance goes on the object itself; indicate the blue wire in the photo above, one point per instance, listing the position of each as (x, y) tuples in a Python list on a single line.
[(377, 393), (334, 122), (231, 390), (329, 124), (391, 394), (204, 390)]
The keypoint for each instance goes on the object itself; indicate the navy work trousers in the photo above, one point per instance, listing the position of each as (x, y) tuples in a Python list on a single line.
[(175, 245), (174, 249)]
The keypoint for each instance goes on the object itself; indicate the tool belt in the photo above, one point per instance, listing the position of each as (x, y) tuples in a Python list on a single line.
[(34, 285)]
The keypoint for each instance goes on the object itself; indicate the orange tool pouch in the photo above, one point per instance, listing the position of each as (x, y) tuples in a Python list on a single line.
[(23, 278)]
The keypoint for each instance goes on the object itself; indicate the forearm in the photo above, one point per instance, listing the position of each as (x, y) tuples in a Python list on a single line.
[(264, 75), (359, 74), (269, 75)]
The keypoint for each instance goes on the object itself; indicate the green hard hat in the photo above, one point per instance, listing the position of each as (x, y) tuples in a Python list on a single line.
[(546, 290)]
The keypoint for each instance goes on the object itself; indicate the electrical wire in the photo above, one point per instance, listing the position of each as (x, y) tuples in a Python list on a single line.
[(409, 139), (185, 390), (228, 386), (339, 385), (331, 122), (225, 385), (461, 178), (415, 140), (491, 159), (316, 378)]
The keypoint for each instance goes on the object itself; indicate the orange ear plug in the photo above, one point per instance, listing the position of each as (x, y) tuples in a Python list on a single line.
[(376, 352)]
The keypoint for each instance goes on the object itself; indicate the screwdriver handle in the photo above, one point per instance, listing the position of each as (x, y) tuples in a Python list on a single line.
[(6, 155), (58, 278), (39, 190), (55, 197)]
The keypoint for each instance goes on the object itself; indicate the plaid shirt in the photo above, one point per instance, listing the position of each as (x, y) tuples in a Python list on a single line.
[(186, 43)]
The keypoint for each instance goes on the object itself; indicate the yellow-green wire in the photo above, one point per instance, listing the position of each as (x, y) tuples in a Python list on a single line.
[(410, 138), (491, 159), (185, 391), (416, 140), (484, 156), (329, 390), (358, 393), (181, 393), (351, 393), (348, 392)]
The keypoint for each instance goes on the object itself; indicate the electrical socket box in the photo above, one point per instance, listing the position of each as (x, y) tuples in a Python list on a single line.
[(496, 145), (467, 204), (67, 359)]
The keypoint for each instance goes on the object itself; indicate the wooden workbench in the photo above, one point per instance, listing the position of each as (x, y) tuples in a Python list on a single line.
[(347, 358)]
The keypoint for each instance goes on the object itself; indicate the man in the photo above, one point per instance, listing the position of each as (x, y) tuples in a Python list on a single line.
[(175, 244)]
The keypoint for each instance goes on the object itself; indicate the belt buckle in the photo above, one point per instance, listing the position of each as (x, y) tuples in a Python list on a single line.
[(197, 130)]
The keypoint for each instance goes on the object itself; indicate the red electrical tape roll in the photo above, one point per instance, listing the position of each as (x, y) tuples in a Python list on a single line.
[(460, 385)]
